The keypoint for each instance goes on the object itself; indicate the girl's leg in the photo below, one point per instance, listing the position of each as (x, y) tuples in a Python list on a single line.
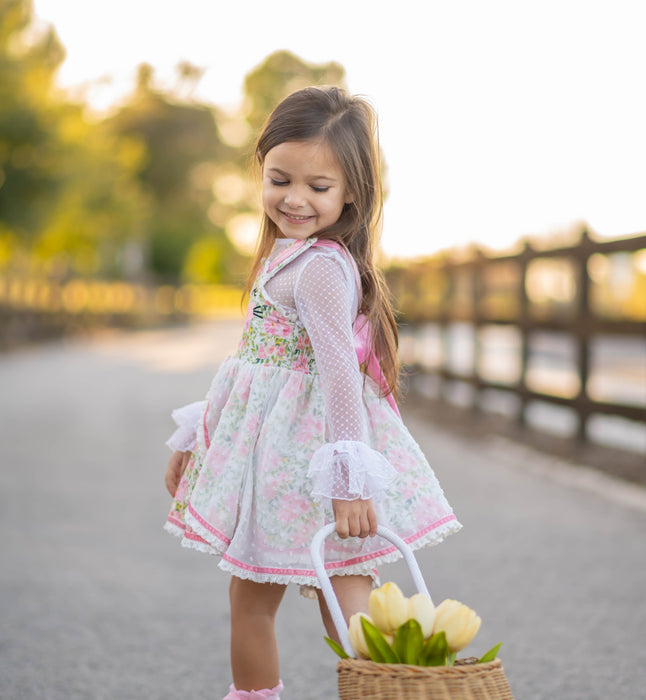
[(254, 652), (352, 593)]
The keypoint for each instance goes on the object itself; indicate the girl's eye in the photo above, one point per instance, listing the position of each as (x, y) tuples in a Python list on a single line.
[(320, 189), (279, 183)]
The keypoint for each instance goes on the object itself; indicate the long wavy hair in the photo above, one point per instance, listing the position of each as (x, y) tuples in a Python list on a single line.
[(348, 126)]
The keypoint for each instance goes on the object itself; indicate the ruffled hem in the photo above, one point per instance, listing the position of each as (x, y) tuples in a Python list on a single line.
[(310, 582), (285, 579), (173, 529), (348, 470)]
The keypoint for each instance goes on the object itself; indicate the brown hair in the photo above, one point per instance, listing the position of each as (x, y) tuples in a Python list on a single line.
[(348, 125)]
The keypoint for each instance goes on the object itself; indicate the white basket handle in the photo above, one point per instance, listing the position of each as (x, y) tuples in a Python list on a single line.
[(316, 551)]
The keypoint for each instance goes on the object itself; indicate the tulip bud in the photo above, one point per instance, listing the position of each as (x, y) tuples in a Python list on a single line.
[(421, 608), (459, 623), (357, 637), (388, 607)]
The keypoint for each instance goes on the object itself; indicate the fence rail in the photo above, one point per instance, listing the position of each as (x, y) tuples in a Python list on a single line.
[(565, 290), (36, 309)]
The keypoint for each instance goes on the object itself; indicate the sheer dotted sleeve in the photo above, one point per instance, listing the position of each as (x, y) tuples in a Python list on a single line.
[(187, 419), (345, 468)]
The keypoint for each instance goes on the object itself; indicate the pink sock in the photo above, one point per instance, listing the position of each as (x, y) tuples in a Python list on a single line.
[(264, 694)]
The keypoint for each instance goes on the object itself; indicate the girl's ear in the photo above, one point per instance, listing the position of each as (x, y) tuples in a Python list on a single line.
[(349, 197)]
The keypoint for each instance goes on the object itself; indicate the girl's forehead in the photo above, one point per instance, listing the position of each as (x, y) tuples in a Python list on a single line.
[(312, 156)]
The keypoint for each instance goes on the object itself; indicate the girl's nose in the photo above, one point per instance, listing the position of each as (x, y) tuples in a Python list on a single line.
[(294, 197)]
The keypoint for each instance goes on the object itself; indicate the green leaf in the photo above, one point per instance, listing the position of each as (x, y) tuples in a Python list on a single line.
[(409, 641), (337, 648), (491, 654), (380, 651), (435, 651)]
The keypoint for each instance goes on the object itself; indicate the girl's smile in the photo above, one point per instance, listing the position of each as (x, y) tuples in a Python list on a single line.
[(303, 188)]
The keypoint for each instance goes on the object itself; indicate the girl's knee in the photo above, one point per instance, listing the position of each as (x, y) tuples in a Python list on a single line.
[(252, 598), (352, 593)]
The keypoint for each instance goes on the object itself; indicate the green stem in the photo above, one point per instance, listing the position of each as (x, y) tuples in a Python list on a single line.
[(451, 658)]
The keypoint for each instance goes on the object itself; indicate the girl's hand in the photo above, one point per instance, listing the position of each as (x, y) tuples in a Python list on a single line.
[(354, 518), (176, 468)]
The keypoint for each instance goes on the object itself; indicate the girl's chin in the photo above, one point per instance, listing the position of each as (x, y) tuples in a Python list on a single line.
[(293, 232)]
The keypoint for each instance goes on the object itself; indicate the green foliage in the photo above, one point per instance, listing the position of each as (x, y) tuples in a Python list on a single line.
[(491, 654), (152, 188), (435, 651), (337, 648), (68, 198), (409, 642), (280, 74), (409, 646), (28, 139), (380, 650)]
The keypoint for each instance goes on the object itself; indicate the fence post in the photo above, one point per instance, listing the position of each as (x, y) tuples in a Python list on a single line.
[(583, 340), (523, 326), (477, 292)]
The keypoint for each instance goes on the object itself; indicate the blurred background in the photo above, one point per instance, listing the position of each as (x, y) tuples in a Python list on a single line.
[(514, 244), (514, 154)]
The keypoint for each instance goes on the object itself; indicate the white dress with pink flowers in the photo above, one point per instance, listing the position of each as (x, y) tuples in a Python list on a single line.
[(290, 422)]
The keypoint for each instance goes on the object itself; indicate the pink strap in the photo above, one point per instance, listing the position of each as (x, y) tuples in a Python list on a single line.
[(287, 253), (361, 327)]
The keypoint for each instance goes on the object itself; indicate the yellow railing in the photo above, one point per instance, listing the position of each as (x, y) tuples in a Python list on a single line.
[(97, 297)]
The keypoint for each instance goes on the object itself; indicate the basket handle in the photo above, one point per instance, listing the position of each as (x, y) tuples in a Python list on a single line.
[(316, 551)]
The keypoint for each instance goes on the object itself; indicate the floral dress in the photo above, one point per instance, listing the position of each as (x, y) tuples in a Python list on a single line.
[(289, 423)]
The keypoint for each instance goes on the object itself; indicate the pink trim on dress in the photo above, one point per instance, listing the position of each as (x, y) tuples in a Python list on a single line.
[(207, 440), (208, 526), (176, 522), (193, 536), (336, 564)]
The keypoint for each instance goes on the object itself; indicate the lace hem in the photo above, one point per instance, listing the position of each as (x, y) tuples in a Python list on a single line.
[(348, 470), (187, 418), (173, 529), (366, 568), (306, 582), (309, 584)]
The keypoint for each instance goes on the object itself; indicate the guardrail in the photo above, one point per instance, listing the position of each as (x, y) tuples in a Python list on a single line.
[(34, 309), (565, 290)]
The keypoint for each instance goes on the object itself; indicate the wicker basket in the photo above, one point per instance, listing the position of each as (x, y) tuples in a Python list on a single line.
[(366, 680)]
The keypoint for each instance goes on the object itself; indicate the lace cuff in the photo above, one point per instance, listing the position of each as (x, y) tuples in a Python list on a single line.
[(187, 418), (348, 470)]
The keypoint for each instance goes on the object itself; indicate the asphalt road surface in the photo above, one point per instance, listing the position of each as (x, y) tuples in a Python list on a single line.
[(96, 602)]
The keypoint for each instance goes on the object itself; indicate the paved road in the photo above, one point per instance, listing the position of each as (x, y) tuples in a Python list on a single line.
[(97, 603)]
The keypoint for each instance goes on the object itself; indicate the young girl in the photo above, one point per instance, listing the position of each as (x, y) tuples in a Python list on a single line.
[(300, 427)]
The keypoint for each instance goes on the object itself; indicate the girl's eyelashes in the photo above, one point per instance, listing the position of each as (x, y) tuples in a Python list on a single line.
[(284, 183)]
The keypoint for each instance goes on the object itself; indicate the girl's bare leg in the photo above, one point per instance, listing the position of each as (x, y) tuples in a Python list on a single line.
[(254, 652), (352, 593)]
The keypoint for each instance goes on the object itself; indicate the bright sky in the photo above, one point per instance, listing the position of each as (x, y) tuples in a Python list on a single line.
[(498, 119)]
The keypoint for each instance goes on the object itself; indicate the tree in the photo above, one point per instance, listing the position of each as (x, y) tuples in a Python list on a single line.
[(237, 205), (27, 145), (280, 74), (68, 199), (182, 146)]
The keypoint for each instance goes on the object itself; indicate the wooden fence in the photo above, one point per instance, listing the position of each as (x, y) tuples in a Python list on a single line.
[(562, 290), (37, 309)]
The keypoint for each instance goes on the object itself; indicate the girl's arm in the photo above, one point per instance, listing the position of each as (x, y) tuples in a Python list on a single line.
[(182, 442), (345, 469)]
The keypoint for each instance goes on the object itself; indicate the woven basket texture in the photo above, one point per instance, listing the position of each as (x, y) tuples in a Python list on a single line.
[(366, 680)]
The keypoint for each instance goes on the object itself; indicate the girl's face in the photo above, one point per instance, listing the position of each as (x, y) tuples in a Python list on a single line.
[(303, 188)]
